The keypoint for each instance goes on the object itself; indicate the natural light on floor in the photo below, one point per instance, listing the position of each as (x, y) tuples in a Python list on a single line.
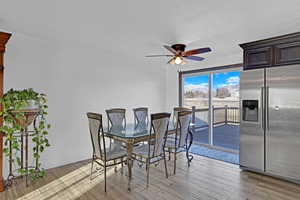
[(70, 186)]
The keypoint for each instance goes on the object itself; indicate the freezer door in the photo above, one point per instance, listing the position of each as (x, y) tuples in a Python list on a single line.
[(252, 126), (283, 121)]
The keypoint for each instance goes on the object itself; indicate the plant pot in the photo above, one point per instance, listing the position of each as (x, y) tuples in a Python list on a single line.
[(29, 111), (31, 105)]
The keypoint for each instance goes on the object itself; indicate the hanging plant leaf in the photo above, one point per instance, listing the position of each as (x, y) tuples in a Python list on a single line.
[(15, 120)]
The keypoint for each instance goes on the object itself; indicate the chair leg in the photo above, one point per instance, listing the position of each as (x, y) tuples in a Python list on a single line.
[(188, 158), (175, 158), (115, 166), (148, 169), (92, 168), (122, 170), (169, 153), (165, 161), (105, 179), (140, 164)]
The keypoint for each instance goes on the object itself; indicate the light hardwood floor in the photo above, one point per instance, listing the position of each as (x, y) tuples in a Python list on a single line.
[(205, 179)]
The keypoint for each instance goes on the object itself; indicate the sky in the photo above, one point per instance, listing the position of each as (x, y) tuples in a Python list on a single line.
[(219, 80)]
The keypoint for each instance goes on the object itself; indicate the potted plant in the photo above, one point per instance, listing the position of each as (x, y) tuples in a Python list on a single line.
[(19, 109)]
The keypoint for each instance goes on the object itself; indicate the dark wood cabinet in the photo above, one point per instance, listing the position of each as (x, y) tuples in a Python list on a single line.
[(257, 58), (287, 53), (277, 51)]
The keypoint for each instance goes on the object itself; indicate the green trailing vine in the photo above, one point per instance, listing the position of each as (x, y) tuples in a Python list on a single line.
[(15, 100)]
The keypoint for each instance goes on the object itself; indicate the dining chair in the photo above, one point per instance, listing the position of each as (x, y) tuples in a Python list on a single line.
[(175, 113), (175, 117), (140, 115), (152, 154), (116, 117), (179, 142), (103, 156)]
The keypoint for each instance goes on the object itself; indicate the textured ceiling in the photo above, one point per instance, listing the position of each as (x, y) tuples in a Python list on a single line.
[(139, 27)]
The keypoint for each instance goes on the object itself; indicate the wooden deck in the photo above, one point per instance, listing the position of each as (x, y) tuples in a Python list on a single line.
[(226, 136), (206, 179)]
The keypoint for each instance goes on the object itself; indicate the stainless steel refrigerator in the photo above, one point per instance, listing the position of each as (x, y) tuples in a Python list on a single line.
[(270, 121)]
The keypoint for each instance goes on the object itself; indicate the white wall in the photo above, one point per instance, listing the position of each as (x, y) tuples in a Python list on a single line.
[(78, 79)]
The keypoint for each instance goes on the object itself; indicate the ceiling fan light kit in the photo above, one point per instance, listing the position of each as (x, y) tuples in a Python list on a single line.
[(178, 53), (178, 60)]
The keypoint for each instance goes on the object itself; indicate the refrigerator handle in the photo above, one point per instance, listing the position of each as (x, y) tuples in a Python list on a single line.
[(262, 107), (267, 108)]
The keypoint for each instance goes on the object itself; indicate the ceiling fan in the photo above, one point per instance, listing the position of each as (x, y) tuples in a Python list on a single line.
[(178, 53)]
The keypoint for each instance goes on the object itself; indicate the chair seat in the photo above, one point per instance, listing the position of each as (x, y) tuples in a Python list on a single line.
[(170, 144), (143, 151), (115, 153)]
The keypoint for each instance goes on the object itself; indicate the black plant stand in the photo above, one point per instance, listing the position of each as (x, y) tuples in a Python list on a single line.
[(30, 118)]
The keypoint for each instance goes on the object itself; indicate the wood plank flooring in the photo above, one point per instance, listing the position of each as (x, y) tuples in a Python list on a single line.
[(206, 179)]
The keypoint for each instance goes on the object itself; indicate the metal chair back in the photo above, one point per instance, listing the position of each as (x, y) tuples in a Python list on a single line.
[(116, 117), (159, 127), (97, 135), (140, 115), (175, 113), (182, 128)]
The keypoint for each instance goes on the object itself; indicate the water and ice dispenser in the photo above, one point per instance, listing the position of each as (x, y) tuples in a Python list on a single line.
[(250, 110)]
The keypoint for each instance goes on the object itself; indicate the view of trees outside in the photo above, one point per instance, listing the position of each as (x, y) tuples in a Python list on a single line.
[(225, 90), (196, 91)]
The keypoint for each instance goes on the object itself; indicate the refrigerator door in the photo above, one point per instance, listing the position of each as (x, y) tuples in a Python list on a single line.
[(252, 114), (283, 121)]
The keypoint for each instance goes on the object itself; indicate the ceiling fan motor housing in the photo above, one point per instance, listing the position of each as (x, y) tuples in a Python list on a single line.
[(179, 47)]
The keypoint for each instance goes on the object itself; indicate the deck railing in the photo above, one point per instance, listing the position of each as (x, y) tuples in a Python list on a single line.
[(220, 115)]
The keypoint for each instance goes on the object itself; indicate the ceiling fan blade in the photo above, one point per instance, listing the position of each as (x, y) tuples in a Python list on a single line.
[(170, 49), (196, 51), (159, 55), (194, 58)]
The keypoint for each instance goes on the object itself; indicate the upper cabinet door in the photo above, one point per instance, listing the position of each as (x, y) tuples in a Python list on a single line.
[(272, 52), (258, 58), (288, 53)]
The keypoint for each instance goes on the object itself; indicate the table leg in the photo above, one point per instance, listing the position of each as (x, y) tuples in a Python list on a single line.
[(26, 157), (129, 147)]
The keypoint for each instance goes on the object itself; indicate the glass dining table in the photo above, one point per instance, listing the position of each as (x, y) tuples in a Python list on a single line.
[(132, 134)]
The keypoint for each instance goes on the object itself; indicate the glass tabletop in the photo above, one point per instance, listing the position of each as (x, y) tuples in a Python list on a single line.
[(128, 131), (133, 130)]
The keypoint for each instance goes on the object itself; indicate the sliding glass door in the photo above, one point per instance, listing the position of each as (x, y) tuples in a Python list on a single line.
[(196, 95), (225, 106), (214, 98)]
